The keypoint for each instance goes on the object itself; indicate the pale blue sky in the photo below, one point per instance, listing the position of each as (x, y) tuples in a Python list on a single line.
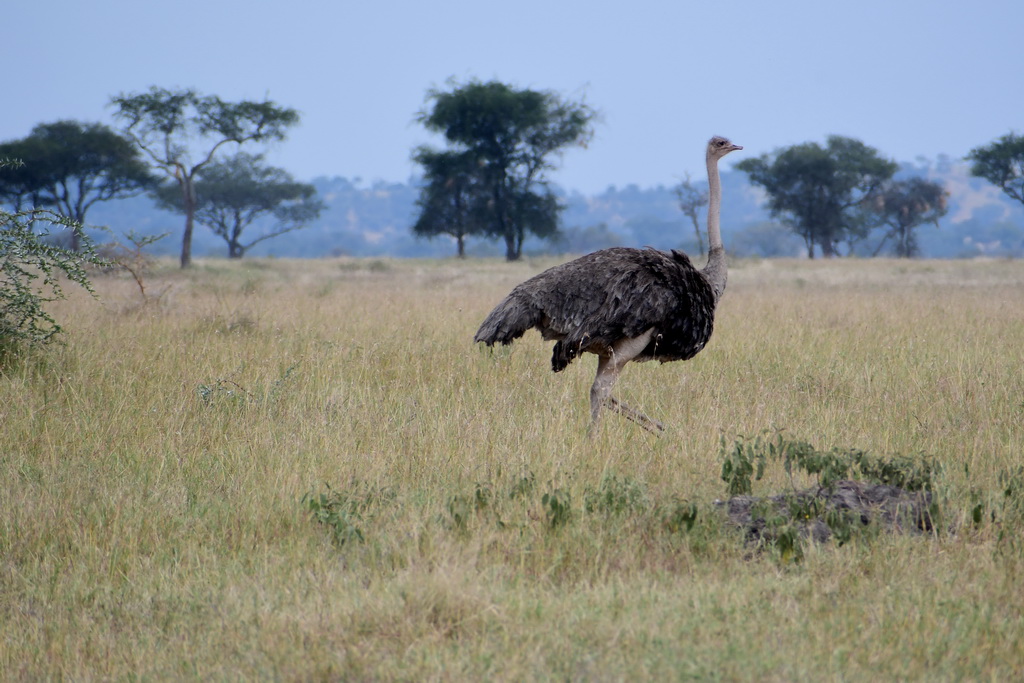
[(910, 77)]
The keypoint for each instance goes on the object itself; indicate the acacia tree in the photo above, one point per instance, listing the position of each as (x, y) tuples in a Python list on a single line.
[(531, 211), (903, 205), (1002, 164), (231, 195), (181, 132), (691, 201), (70, 166), (822, 193), (513, 135), (20, 185), (451, 201)]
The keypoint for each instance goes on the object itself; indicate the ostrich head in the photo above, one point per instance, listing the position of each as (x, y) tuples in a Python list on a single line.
[(718, 147)]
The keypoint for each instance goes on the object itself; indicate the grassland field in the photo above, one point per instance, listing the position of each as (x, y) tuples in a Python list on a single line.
[(305, 470)]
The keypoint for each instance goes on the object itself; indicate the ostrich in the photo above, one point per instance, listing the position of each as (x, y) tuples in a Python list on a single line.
[(623, 305)]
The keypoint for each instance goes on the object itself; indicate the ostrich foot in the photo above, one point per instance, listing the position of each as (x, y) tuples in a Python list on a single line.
[(636, 416)]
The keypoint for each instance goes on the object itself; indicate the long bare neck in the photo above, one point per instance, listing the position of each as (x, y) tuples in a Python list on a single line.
[(715, 270)]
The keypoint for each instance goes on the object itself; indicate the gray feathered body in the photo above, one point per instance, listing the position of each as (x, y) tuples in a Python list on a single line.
[(588, 304)]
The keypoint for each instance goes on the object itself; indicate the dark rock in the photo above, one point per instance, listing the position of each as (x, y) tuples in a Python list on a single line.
[(822, 512)]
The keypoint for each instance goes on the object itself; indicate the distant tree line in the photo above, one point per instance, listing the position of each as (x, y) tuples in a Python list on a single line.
[(841, 192), (489, 182), (68, 166)]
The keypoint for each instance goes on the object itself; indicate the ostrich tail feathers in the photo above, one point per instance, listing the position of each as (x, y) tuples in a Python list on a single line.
[(507, 322)]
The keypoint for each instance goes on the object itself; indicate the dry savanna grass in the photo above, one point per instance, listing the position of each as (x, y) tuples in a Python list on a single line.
[(305, 470)]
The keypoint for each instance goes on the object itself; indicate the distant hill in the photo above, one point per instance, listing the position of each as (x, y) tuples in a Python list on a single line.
[(373, 219)]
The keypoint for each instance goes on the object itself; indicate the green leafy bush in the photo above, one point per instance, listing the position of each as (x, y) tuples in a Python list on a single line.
[(854, 495), (33, 270), (745, 459), (346, 511)]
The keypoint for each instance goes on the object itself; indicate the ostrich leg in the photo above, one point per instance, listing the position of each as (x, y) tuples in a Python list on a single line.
[(608, 369), (648, 423)]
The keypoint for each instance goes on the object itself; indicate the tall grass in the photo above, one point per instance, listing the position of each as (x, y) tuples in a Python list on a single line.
[(293, 469)]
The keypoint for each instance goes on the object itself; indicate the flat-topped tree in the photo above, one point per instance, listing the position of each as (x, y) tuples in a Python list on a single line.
[(234, 193), (1002, 164), (181, 131), (821, 192), (453, 199), (69, 166), (902, 206)]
